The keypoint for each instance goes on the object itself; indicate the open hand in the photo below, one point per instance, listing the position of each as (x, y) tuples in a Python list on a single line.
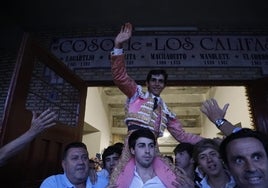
[(124, 35), (212, 110), (45, 120)]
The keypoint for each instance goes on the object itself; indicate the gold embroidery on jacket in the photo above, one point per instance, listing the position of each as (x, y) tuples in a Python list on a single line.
[(147, 117)]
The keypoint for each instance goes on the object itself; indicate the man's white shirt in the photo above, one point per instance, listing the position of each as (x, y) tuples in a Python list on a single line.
[(137, 182)]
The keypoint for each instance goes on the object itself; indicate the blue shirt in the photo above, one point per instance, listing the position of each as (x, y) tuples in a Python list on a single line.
[(103, 179), (230, 184), (60, 181)]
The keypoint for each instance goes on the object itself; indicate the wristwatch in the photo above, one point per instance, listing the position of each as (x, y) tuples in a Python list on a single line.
[(219, 122)]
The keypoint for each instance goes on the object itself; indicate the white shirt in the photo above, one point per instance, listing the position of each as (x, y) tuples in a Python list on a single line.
[(137, 182)]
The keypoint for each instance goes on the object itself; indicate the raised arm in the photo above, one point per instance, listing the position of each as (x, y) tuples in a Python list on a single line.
[(40, 123), (122, 80), (216, 115)]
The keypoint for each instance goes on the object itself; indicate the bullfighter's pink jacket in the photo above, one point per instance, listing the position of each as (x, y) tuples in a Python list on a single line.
[(140, 113)]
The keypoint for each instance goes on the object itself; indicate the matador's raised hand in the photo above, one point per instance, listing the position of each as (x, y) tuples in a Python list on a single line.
[(123, 36)]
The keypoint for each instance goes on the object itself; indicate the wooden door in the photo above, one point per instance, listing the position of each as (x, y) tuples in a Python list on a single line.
[(40, 81), (258, 94)]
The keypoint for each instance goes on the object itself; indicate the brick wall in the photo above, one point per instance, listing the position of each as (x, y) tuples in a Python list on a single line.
[(48, 90)]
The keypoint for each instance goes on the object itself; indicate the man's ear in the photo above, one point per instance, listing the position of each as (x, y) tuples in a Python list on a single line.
[(63, 163), (132, 151)]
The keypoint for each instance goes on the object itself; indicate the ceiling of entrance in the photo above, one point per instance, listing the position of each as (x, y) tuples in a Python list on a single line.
[(184, 101), (69, 14)]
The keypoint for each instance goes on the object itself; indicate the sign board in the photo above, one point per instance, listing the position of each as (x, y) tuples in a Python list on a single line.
[(166, 51)]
